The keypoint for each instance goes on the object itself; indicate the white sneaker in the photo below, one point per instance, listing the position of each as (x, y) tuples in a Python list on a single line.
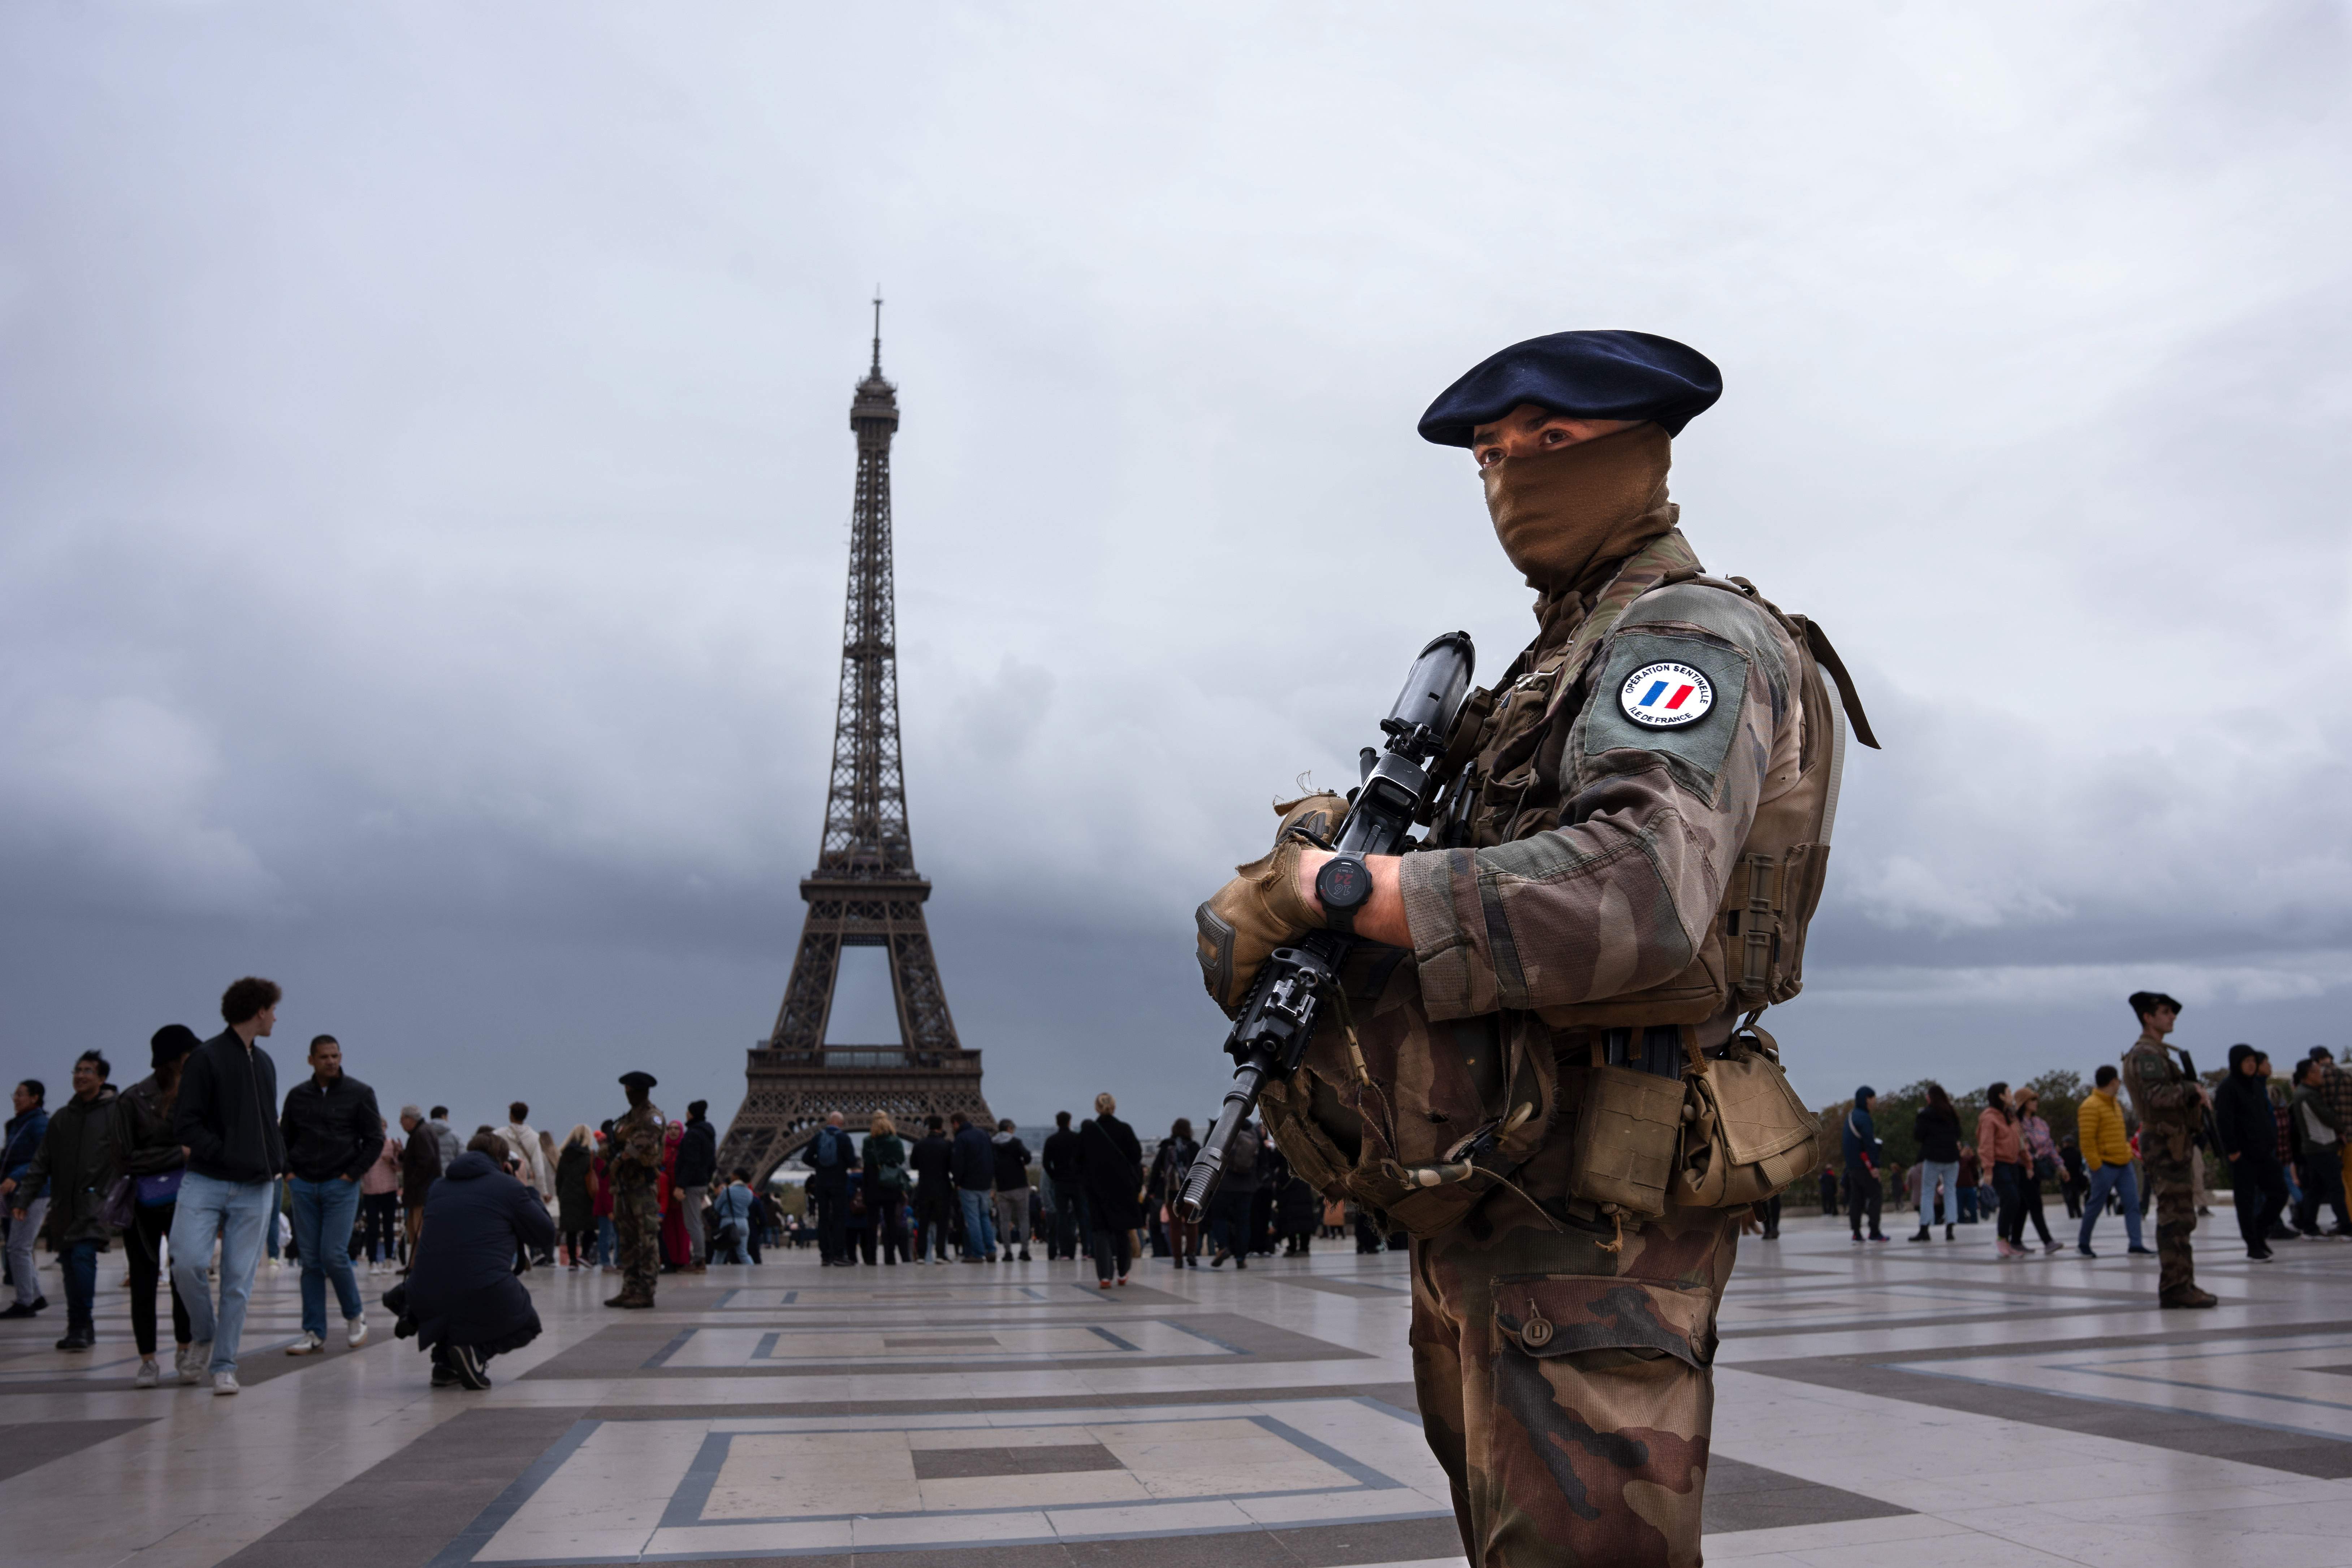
[(192, 1361), (355, 1331), (148, 1375), (309, 1344), (223, 1382)]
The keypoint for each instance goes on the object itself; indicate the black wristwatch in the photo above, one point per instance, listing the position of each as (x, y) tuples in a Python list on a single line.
[(1343, 884)]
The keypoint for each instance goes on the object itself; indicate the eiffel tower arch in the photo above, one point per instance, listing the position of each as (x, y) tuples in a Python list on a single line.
[(864, 892)]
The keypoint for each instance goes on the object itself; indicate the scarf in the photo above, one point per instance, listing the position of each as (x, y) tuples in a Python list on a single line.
[(1562, 514)]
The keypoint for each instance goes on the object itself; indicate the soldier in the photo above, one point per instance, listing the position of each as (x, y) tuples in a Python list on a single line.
[(2170, 1105), (635, 1161), (1573, 923)]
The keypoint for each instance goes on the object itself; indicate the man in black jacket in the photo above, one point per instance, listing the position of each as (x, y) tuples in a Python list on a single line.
[(934, 1192), (77, 1163), (1011, 1190), (2243, 1115), (972, 1158), (1066, 1187), (696, 1167), (223, 1118), (333, 1134)]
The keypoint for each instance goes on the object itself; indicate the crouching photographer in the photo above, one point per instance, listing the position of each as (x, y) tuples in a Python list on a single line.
[(461, 1299)]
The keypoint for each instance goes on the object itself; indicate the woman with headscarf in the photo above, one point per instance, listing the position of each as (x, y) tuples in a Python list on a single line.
[(151, 1157), (1113, 1161)]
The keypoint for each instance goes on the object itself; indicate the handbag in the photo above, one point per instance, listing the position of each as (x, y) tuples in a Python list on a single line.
[(161, 1187)]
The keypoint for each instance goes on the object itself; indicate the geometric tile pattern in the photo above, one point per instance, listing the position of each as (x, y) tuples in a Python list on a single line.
[(1920, 1404)]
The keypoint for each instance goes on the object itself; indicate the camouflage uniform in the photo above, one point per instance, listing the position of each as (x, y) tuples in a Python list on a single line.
[(1561, 1354), (636, 1207), (2171, 1107)]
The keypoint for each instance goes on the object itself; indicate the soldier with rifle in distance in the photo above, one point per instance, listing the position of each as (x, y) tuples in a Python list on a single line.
[(1528, 1038), (2175, 1110)]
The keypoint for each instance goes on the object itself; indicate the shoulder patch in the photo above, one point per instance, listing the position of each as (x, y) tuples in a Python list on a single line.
[(1672, 694), (1730, 616)]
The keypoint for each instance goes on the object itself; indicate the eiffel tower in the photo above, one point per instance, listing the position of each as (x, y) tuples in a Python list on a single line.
[(864, 892)]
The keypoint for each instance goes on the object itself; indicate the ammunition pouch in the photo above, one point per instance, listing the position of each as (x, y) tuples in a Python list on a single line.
[(1629, 1129), (1746, 1135)]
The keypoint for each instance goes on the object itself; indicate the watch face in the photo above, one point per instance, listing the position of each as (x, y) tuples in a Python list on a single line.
[(1343, 883)]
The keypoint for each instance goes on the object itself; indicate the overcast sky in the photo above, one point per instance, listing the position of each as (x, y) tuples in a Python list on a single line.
[(425, 480)]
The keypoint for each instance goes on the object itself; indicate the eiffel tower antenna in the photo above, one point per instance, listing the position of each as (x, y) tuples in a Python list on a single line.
[(866, 891)]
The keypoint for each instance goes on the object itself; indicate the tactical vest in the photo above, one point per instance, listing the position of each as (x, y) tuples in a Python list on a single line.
[(1420, 1120)]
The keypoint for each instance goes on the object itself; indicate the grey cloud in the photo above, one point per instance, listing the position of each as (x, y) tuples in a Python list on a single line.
[(424, 466)]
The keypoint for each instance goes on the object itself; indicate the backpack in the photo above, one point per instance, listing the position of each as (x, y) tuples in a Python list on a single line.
[(1241, 1154), (826, 1153)]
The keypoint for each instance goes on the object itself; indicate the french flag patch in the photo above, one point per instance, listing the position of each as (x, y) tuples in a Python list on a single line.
[(1665, 696)]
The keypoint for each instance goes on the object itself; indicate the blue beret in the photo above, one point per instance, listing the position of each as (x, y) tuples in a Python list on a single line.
[(1587, 375)]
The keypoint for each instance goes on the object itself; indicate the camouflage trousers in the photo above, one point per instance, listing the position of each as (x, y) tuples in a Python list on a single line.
[(2176, 1221), (637, 1227), (1566, 1388)]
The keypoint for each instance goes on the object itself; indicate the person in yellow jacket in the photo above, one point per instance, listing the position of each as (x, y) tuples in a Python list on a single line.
[(2107, 1155)]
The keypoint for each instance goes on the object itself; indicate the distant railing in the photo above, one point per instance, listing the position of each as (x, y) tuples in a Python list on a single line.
[(866, 1057)]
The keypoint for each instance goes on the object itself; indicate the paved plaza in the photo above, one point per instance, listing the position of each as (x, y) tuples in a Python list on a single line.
[(1919, 1405)]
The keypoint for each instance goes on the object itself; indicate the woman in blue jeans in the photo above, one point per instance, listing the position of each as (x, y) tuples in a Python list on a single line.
[(1937, 1129)]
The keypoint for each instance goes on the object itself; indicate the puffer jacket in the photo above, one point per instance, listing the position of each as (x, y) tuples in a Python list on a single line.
[(2099, 1126), (75, 1166)]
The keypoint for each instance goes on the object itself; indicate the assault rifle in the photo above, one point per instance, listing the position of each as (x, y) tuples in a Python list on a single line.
[(2212, 1130), (1278, 1019)]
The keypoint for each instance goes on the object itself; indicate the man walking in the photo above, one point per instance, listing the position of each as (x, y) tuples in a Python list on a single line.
[(2170, 1105), (827, 1157), (690, 1178), (2318, 1152), (1064, 1186), (236, 1153), (23, 1141), (2107, 1155), (333, 1134), (972, 1157), (634, 1164), (1863, 1149), (930, 1159), (1012, 1157), (420, 1168), (75, 1165)]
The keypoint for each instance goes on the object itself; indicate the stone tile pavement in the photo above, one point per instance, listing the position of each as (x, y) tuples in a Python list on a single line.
[(1923, 1404)]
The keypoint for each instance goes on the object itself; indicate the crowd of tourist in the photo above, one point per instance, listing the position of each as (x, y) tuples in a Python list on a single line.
[(197, 1177), (2278, 1145), (202, 1171), (967, 1192)]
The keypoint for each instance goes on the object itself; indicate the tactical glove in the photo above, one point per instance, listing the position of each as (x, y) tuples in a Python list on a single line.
[(1260, 910)]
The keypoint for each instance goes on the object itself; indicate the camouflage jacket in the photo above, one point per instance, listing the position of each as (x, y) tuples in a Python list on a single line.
[(637, 1146), (1589, 866), (2168, 1101)]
